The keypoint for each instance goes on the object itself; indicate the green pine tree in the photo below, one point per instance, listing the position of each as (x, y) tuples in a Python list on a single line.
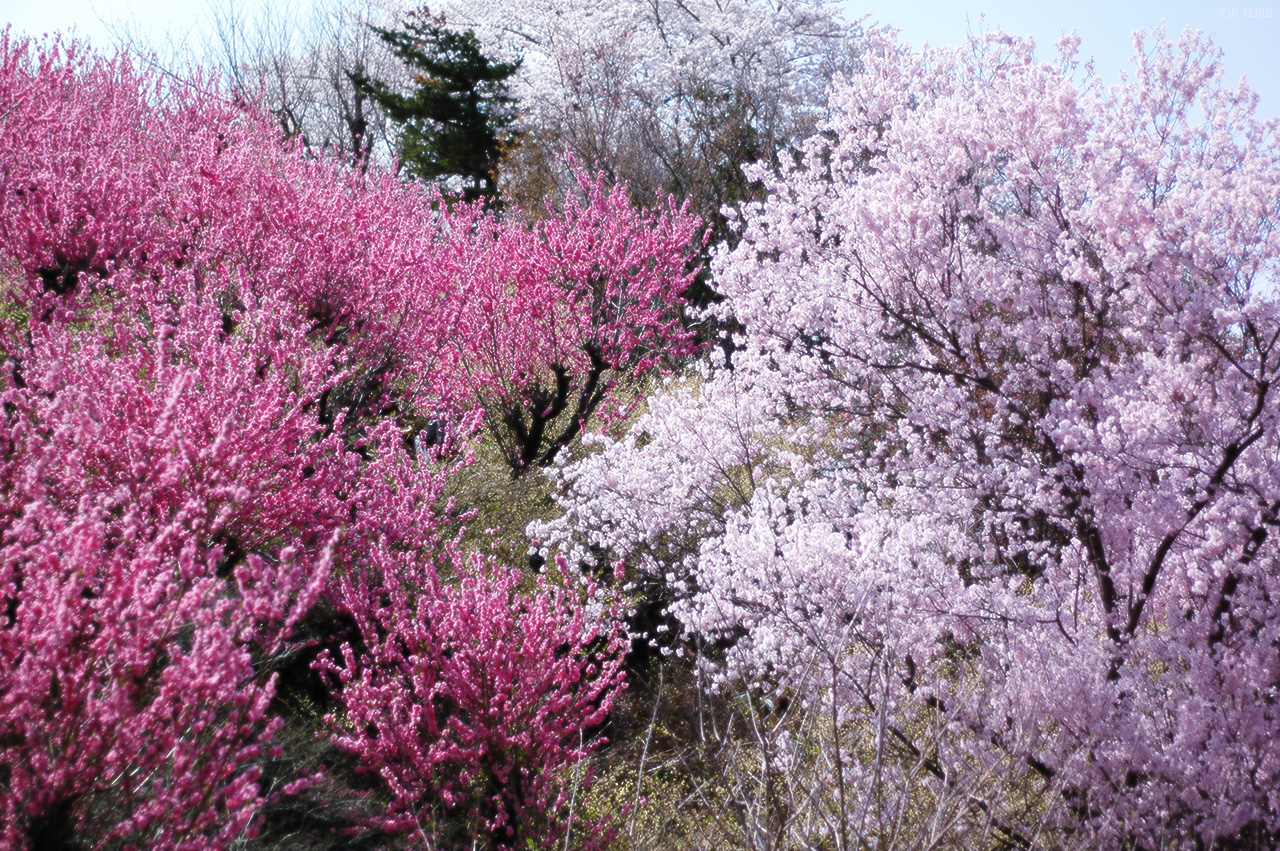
[(453, 123)]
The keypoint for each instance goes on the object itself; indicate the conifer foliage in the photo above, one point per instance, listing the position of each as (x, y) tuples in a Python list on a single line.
[(452, 124)]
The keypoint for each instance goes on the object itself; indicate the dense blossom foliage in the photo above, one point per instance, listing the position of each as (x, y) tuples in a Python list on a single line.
[(436, 302), (754, 47), (129, 686), (217, 352), (558, 313), (996, 454), (972, 523), (476, 697)]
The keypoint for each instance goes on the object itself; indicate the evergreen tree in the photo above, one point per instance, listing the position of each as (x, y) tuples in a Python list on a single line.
[(451, 125)]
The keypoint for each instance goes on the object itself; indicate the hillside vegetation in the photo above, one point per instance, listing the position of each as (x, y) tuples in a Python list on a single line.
[(924, 496)]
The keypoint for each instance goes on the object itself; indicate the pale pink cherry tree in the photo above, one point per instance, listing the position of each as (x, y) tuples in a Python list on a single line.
[(666, 96), (1014, 336)]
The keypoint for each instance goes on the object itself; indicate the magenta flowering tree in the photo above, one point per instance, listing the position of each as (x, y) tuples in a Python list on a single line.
[(214, 354), (426, 310), (559, 312), (1001, 499), (475, 702), (151, 562), (106, 169), (131, 710)]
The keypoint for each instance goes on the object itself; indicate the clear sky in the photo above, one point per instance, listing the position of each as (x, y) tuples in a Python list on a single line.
[(1247, 30), (97, 19)]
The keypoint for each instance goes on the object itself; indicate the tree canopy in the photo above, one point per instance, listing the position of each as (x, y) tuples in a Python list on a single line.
[(454, 123), (989, 485)]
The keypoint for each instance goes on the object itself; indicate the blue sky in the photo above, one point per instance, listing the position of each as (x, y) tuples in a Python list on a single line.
[(1248, 32)]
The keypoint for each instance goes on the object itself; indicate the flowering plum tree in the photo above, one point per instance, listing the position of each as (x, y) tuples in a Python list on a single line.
[(412, 299), (130, 706), (996, 455), (473, 699), (144, 447), (211, 346), (560, 311)]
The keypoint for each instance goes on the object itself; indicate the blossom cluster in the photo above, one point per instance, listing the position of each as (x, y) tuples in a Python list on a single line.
[(995, 451), (218, 356)]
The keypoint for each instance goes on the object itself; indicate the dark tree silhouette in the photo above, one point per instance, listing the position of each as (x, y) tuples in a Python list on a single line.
[(453, 124)]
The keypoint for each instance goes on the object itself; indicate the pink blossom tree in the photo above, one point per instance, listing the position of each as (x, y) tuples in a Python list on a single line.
[(559, 312), (151, 477), (474, 701), (444, 310), (1008, 468), (131, 709), (213, 348)]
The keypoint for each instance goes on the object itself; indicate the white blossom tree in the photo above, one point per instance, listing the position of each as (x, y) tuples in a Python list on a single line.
[(992, 481), (665, 96)]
